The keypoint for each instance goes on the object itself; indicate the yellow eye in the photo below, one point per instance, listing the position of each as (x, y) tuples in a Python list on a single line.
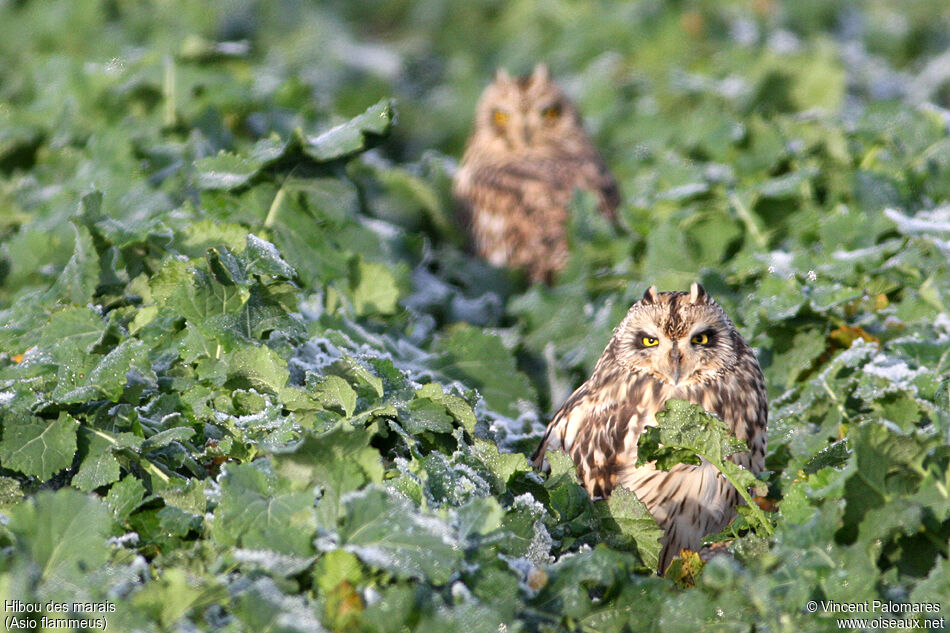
[(500, 118), (551, 114), (649, 341), (700, 339)]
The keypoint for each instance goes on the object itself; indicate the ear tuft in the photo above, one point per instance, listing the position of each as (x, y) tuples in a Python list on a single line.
[(502, 76), (540, 74), (651, 295), (697, 294)]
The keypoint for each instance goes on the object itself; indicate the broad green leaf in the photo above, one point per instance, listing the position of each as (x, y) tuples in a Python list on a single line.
[(77, 281), (427, 415), (482, 361), (333, 391), (351, 136), (261, 605), (163, 438), (337, 462), (124, 496), (72, 328), (63, 533), (455, 405), (99, 467), (627, 517), (262, 258), (254, 513), (106, 379), (372, 288), (225, 171), (684, 430), (170, 597), (259, 367), (37, 447), (386, 532)]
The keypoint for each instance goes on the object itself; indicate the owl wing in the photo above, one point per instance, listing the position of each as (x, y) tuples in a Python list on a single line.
[(599, 427), (741, 400), (592, 174), (515, 215)]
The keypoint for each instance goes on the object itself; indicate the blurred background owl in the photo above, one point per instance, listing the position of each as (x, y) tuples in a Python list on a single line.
[(670, 345), (526, 155)]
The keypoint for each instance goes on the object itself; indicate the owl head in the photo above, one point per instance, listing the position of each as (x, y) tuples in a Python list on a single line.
[(680, 338), (526, 113)]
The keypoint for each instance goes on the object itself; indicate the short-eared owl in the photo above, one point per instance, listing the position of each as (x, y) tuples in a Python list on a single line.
[(526, 155), (670, 345)]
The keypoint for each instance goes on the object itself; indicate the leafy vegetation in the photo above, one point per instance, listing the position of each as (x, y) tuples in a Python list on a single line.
[(250, 379)]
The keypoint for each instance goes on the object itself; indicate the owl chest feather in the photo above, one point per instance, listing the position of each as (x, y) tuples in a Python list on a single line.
[(601, 424)]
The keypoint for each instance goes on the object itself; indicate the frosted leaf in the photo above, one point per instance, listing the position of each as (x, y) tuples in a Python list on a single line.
[(273, 562), (922, 223), (129, 539)]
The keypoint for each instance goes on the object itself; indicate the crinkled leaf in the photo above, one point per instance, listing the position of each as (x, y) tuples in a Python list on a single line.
[(351, 136), (480, 359), (628, 519), (259, 367), (333, 391), (255, 513), (386, 532), (63, 534), (373, 288), (337, 462), (99, 467), (262, 258), (106, 379), (78, 280), (37, 447)]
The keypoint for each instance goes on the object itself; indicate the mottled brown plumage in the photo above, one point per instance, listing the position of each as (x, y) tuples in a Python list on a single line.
[(670, 345), (527, 154)]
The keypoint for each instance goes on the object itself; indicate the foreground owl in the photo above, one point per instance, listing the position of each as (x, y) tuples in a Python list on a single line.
[(670, 345), (526, 155)]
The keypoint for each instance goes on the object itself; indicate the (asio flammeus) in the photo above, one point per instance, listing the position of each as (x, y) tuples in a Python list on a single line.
[(670, 345), (527, 154)]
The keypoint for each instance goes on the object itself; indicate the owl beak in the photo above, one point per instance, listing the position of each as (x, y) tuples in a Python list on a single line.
[(675, 358)]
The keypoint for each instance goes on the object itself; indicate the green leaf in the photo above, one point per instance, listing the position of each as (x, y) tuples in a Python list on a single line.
[(63, 533), (627, 517), (260, 605), (480, 359), (254, 512), (72, 328), (228, 171), (824, 84), (124, 496), (386, 532), (833, 455), (357, 375), (77, 283), (351, 136), (106, 379), (170, 597), (259, 367), (225, 171), (333, 391), (99, 466), (373, 288), (166, 437), (427, 415), (262, 258), (683, 429), (38, 448), (338, 461), (455, 405)]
